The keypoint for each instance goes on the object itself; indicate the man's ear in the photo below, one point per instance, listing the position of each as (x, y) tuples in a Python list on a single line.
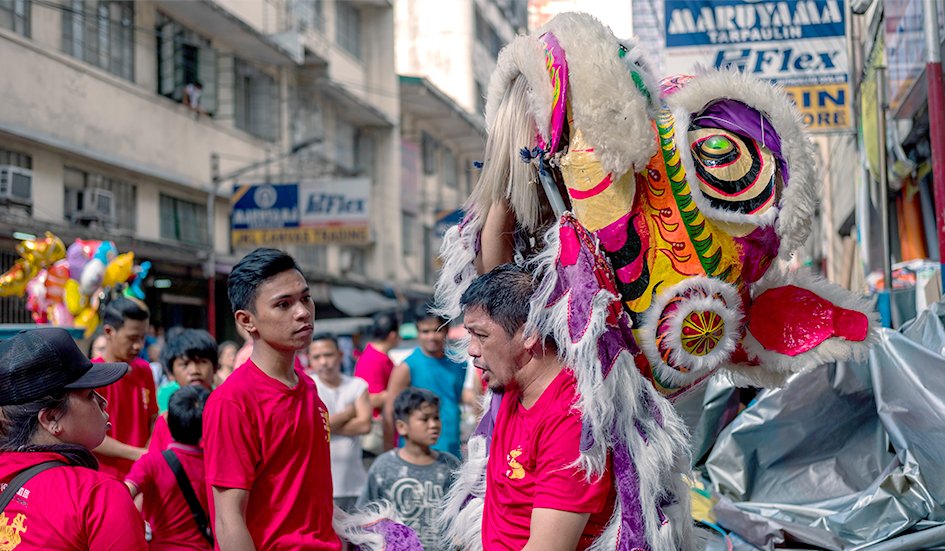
[(532, 341), (108, 330), (246, 320)]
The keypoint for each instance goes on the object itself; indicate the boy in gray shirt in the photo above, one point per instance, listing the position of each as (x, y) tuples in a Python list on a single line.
[(415, 478)]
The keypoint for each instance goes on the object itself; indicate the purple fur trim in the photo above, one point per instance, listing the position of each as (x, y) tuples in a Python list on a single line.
[(632, 529), (758, 249), (397, 537), (486, 425)]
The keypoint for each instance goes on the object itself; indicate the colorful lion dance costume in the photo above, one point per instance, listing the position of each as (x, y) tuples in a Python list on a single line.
[(653, 216)]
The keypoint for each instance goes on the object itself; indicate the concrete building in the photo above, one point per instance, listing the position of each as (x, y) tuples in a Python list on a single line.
[(94, 114)]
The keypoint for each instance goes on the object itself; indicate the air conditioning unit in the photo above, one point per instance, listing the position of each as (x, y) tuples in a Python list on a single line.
[(16, 184), (94, 205)]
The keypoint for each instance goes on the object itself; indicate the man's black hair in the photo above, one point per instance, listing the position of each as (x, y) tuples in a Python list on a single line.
[(122, 308), (426, 313), (385, 323), (185, 414), (412, 399), (504, 294), (252, 271), (326, 337), (190, 344)]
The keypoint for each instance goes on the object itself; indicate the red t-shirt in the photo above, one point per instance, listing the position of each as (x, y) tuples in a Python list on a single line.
[(161, 436), (529, 467), (67, 508), (271, 440), (172, 524), (132, 404), (374, 367)]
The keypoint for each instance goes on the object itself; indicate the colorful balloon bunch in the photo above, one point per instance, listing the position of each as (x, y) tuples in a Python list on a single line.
[(65, 286)]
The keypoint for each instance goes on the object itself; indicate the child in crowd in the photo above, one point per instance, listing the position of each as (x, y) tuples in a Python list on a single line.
[(172, 517), (189, 358), (415, 478), (349, 416)]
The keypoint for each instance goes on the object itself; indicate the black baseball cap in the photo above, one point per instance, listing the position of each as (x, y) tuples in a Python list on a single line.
[(39, 362)]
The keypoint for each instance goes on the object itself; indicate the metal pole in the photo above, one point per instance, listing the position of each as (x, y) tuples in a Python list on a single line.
[(884, 188), (211, 269), (933, 75)]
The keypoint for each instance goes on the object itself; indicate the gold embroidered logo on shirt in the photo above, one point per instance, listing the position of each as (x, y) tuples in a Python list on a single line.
[(516, 470), (10, 533), (325, 424)]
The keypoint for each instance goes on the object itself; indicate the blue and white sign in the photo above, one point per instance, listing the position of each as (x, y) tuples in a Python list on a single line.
[(800, 44), (310, 213)]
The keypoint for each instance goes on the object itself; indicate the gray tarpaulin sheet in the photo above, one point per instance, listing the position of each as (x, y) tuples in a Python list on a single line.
[(844, 456)]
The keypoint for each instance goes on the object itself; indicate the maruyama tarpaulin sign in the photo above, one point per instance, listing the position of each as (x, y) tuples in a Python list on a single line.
[(308, 213), (799, 44)]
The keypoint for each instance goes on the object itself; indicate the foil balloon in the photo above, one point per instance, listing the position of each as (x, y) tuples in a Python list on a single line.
[(78, 255), (136, 288), (13, 282), (56, 277), (42, 251), (36, 301), (60, 316), (87, 319), (94, 272), (119, 270), (73, 298)]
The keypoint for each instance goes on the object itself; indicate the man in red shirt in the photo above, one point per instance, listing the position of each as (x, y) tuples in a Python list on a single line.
[(265, 430), (535, 497), (132, 400), (375, 366)]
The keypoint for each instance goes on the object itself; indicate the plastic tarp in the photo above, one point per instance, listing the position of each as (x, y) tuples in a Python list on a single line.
[(843, 457)]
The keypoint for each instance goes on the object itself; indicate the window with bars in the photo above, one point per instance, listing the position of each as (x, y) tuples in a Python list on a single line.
[(411, 232), (15, 15), (185, 58), (486, 34), (450, 175), (348, 28), (15, 158), (81, 185), (428, 147), (183, 220), (307, 14), (101, 32), (257, 106), (12, 309)]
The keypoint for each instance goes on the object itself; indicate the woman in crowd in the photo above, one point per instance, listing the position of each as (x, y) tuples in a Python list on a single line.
[(50, 417)]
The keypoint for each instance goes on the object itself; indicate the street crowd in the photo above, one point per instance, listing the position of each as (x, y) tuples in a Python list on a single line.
[(255, 447)]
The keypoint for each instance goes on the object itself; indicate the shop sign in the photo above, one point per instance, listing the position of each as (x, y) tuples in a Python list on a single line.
[(800, 44), (317, 212)]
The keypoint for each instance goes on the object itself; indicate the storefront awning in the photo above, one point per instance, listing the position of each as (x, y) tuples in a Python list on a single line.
[(360, 302)]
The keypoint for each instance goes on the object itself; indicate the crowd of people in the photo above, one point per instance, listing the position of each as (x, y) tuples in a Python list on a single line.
[(255, 447)]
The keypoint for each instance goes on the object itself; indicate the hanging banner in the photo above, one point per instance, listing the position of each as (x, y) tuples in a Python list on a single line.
[(800, 44), (320, 212)]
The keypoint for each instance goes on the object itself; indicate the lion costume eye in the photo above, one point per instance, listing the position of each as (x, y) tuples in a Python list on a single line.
[(735, 174)]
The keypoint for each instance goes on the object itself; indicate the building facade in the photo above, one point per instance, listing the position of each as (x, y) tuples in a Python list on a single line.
[(129, 119)]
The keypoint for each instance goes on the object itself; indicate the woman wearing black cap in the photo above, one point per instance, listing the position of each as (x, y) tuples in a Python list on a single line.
[(50, 417)]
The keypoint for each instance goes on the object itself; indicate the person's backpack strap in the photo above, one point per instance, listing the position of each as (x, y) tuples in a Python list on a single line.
[(20, 479), (200, 516)]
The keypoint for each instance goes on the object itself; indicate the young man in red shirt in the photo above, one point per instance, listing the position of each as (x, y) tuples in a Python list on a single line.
[(265, 429), (535, 497), (132, 400)]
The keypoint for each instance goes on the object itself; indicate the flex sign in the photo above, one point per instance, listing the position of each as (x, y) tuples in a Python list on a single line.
[(799, 44), (307, 213)]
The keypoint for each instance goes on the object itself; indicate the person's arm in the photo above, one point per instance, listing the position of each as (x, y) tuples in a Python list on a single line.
[(111, 521), (553, 530), (114, 448), (399, 381), (230, 528), (377, 399), (498, 237), (360, 423), (337, 420)]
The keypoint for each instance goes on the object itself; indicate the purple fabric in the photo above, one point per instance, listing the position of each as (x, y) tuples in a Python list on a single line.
[(486, 425), (758, 249), (632, 529), (741, 119), (397, 537)]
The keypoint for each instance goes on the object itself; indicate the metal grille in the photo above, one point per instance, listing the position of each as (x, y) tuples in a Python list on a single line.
[(12, 309)]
